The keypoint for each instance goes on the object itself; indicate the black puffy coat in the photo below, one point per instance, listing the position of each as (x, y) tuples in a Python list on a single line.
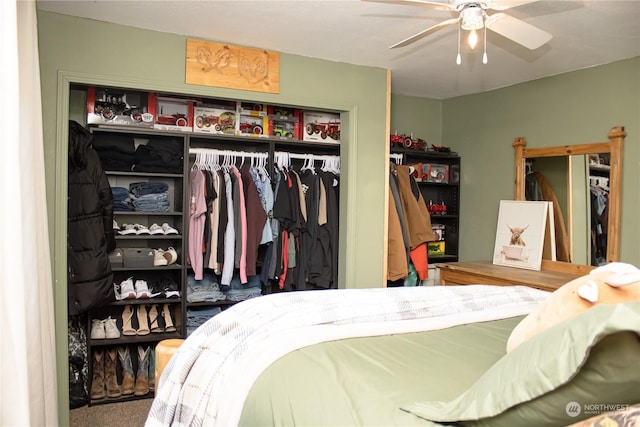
[(90, 227)]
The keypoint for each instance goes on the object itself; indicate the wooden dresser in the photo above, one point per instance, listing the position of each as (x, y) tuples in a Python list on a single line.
[(485, 272)]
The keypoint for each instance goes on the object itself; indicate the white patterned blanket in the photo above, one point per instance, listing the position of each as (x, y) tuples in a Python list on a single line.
[(207, 380)]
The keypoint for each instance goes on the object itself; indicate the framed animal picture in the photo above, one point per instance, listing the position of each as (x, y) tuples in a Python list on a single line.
[(520, 236)]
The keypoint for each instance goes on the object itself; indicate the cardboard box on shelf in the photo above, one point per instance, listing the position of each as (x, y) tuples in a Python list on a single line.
[(252, 109), (252, 125), (216, 120), (321, 126), (173, 113), (116, 107), (284, 122), (435, 248), (438, 231), (435, 172)]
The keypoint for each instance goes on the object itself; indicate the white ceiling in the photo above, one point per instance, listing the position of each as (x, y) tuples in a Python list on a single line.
[(585, 34)]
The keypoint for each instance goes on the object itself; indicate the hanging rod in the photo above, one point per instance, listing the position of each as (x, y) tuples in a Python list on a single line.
[(235, 153)]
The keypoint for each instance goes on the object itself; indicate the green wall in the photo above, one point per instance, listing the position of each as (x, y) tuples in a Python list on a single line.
[(572, 108), (86, 51), (420, 116)]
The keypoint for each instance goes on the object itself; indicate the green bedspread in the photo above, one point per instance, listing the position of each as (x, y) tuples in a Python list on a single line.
[(365, 381)]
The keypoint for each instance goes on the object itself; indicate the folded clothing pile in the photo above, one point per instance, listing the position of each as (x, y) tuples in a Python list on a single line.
[(204, 290), (149, 196), (116, 152), (159, 155), (236, 291)]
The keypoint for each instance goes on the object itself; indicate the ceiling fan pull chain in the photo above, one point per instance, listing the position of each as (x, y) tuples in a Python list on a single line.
[(458, 58), (484, 55)]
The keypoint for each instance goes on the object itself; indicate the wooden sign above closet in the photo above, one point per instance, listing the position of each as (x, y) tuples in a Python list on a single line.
[(232, 67)]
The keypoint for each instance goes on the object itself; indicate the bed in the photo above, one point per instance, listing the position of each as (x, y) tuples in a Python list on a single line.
[(399, 356)]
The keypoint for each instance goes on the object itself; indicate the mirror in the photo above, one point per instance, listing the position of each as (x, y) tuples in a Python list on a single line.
[(568, 168)]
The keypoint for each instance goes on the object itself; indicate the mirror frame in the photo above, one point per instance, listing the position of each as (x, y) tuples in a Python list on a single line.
[(614, 147)]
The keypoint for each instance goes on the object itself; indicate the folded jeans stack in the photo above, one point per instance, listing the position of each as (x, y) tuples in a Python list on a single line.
[(121, 199), (206, 289), (198, 316), (236, 291), (149, 196)]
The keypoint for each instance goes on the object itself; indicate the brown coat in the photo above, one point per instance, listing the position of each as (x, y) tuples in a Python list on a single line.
[(414, 208)]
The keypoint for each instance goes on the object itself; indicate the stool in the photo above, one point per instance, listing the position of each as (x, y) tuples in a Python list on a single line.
[(164, 350)]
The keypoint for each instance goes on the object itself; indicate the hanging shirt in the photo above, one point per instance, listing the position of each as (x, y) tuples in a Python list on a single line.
[(197, 211), (229, 234)]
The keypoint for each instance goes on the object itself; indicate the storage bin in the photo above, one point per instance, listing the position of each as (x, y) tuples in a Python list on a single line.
[(138, 257), (116, 257)]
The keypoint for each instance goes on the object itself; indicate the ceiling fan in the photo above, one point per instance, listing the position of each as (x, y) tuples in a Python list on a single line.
[(472, 16)]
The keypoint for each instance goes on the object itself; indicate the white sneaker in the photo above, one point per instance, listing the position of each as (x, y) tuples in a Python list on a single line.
[(142, 290), (170, 255), (155, 229), (116, 227), (159, 258), (128, 229), (98, 329), (142, 229), (126, 289), (111, 329), (169, 229)]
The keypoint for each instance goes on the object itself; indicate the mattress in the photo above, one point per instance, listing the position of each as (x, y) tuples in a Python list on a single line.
[(365, 381)]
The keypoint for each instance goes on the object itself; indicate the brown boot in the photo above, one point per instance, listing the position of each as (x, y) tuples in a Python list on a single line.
[(127, 371), (97, 382), (111, 379), (142, 379)]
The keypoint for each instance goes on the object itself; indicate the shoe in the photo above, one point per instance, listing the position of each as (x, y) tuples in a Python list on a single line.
[(98, 329), (155, 229), (127, 315), (153, 319), (170, 255), (110, 376), (171, 289), (97, 381), (142, 378), (143, 322), (152, 369), (142, 290), (111, 328), (168, 321), (156, 289), (158, 258), (116, 227), (142, 229), (128, 229), (126, 289), (169, 229), (127, 371)]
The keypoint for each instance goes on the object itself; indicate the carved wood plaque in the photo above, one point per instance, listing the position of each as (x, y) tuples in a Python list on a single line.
[(233, 67)]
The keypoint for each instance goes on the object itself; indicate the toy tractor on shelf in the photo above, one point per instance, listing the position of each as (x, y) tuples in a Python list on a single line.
[(251, 128), (175, 119), (222, 122), (115, 104), (330, 129), (409, 142)]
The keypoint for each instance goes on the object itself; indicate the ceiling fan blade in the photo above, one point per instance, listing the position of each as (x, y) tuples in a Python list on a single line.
[(425, 33), (517, 30), (506, 4), (421, 3)]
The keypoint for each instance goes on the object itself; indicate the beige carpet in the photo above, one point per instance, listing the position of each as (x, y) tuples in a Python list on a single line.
[(131, 413)]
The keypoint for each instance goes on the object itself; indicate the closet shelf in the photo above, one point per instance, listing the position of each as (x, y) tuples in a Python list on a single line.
[(156, 268), (151, 237), (144, 174), (145, 213), (151, 337)]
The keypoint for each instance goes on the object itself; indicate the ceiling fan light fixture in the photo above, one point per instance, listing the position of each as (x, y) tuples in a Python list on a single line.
[(472, 17)]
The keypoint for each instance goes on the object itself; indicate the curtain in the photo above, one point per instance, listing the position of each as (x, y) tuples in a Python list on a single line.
[(28, 368)]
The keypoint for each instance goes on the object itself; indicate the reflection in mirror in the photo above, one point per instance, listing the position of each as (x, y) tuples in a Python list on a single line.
[(578, 175)]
